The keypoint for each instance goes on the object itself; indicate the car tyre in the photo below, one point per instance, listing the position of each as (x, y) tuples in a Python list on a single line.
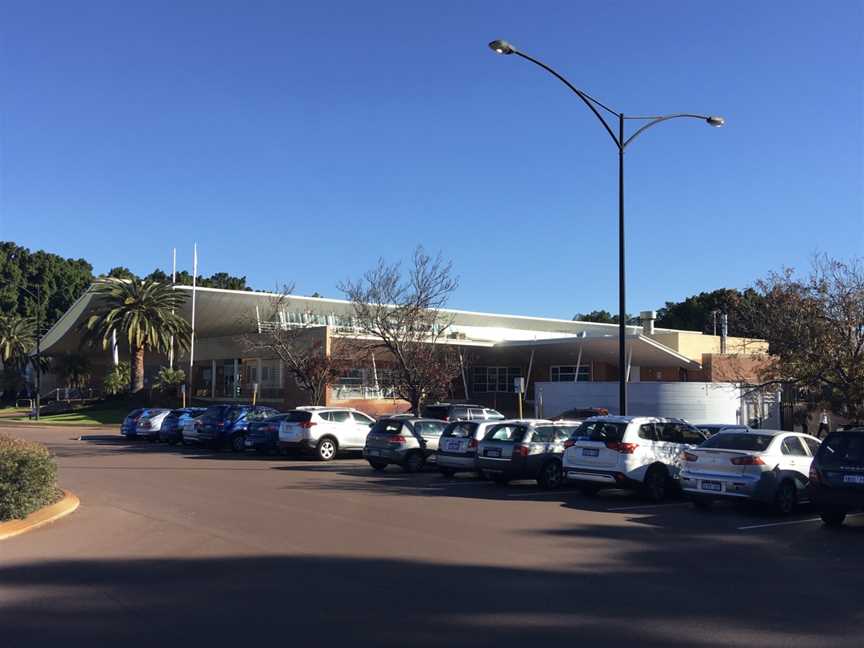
[(326, 449), (655, 485), (238, 443), (551, 476), (413, 463), (833, 519), (377, 465), (785, 499)]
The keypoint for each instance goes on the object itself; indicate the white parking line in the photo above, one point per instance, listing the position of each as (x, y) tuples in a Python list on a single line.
[(648, 506), (775, 524)]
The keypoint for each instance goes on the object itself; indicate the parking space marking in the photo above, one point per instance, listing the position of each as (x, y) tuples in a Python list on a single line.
[(647, 506), (788, 522)]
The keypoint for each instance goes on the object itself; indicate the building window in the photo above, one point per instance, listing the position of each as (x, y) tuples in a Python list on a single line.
[(364, 383), (494, 379), (564, 373)]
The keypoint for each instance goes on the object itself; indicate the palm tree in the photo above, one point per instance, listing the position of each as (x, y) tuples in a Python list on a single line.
[(143, 311), (17, 339), (73, 369)]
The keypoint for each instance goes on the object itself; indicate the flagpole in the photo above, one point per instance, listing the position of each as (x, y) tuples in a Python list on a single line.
[(192, 338)]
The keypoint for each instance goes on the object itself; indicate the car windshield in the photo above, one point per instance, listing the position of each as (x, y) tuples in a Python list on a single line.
[(216, 411), (842, 448), (462, 429), (386, 427), (434, 411), (600, 431), (739, 441), (298, 416), (506, 432)]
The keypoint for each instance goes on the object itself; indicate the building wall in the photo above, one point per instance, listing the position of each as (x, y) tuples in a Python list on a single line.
[(694, 344)]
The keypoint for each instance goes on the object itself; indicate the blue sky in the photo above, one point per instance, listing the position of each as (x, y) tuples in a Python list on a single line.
[(301, 141)]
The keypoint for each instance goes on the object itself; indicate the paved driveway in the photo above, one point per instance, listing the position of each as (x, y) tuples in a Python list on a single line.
[(179, 547)]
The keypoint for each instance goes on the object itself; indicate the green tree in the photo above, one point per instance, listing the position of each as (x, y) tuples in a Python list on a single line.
[(17, 339), (169, 379), (72, 368), (117, 379), (696, 312), (121, 272), (143, 311)]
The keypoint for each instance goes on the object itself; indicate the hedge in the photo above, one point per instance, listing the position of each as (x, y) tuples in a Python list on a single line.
[(28, 478)]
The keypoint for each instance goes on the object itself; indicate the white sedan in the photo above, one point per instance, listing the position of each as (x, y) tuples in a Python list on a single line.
[(769, 466)]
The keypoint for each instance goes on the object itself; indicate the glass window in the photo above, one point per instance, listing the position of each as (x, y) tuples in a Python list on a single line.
[(298, 416), (506, 432), (387, 427), (601, 431), (566, 373), (458, 412), (842, 448), (544, 434), (812, 445), (792, 446), (429, 428), (739, 441), (494, 379), (646, 431), (691, 435), (476, 413), (340, 416), (362, 418), (461, 429), (669, 432)]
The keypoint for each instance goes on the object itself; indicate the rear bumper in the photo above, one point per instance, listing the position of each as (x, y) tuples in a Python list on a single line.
[(457, 461), (835, 499), (384, 454), (761, 488), (596, 476), (302, 444)]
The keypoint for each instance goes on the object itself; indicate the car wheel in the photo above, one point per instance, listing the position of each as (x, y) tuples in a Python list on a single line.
[(238, 443), (703, 503), (413, 463), (833, 518), (785, 498), (551, 476), (377, 465), (654, 485), (447, 472), (326, 449)]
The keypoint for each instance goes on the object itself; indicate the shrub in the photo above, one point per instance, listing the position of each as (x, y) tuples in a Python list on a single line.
[(117, 379), (27, 478)]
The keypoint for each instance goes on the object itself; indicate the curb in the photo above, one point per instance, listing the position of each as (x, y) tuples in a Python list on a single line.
[(39, 518)]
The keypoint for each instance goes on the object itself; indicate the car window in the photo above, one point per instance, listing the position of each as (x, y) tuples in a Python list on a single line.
[(601, 431), (476, 413), (429, 428), (842, 448), (435, 411), (493, 414), (298, 416), (506, 432), (544, 434), (387, 427), (646, 431), (461, 429), (739, 441), (458, 413), (812, 445), (362, 419), (792, 446), (339, 416), (669, 432), (692, 435)]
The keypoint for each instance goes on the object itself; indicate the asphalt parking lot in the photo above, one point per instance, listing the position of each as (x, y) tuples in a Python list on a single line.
[(175, 546)]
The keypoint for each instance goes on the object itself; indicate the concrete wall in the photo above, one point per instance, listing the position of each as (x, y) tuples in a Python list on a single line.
[(696, 402), (694, 344)]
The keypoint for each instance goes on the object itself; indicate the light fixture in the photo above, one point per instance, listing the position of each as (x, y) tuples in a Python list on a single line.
[(715, 121), (501, 47)]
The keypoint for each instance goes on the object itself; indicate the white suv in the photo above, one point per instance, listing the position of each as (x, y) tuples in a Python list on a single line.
[(628, 451), (324, 430)]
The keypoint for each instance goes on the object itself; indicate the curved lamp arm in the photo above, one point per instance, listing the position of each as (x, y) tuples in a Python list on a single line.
[(713, 121), (589, 100)]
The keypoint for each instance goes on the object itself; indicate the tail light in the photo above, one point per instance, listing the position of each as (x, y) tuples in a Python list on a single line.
[(472, 444), (396, 439), (307, 424), (220, 424), (569, 443), (689, 456), (814, 475), (520, 450), (623, 448), (747, 461)]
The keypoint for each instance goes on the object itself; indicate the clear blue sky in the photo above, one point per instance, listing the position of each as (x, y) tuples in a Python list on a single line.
[(300, 141)]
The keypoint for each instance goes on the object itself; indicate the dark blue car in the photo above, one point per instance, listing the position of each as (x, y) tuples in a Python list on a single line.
[(130, 423), (226, 425), (172, 426), (263, 436)]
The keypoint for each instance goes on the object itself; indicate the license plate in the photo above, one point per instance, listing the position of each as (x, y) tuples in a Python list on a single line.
[(712, 486), (374, 453), (493, 453), (590, 452), (454, 445), (853, 479)]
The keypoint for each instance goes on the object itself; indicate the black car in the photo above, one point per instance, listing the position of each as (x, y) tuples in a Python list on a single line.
[(837, 476), (461, 412), (525, 449), (226, 425)]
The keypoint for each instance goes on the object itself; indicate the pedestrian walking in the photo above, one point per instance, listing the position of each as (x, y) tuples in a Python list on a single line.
[(823, 425)]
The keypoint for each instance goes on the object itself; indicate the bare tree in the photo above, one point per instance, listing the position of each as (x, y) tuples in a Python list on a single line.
[(310, 355), (402, 314), (815, 330)]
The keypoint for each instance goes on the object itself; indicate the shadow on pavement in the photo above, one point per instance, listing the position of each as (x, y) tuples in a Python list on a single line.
[(652, 597)]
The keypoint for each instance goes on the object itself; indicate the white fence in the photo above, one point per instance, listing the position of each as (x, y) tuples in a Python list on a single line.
[(698, 402)]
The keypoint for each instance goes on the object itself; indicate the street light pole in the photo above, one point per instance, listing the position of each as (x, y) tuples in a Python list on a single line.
[(38, 298), (621, 142)]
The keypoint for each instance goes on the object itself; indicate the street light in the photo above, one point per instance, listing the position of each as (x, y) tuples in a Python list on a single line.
[(621, 143), (38, 298)]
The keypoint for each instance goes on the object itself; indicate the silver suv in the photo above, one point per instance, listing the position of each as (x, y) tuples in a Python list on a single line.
[(324, 430), (405, 441)]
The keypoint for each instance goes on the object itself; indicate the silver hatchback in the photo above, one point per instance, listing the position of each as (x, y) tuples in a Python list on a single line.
[(405, 441)]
